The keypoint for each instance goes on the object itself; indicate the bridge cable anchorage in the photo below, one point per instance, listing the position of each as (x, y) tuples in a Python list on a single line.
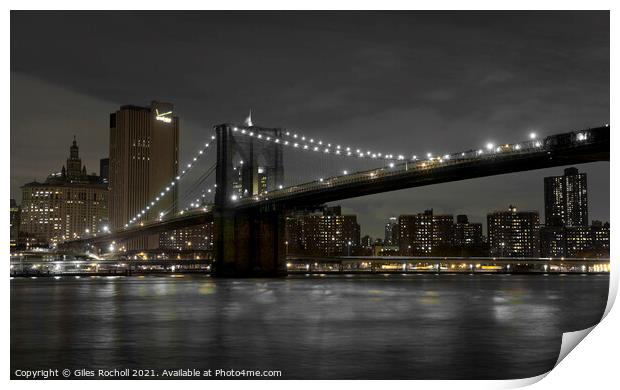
[(164, 191)]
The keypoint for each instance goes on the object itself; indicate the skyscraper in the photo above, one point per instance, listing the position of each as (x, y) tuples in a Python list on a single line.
[(513, 233), (144, 147), (566, 199)]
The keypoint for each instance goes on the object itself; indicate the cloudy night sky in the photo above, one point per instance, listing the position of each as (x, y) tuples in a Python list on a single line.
[(403, 82)]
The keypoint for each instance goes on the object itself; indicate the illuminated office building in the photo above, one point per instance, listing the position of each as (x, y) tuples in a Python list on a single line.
[(144, 147)]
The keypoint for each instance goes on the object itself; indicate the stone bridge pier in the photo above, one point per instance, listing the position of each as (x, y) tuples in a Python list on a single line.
[(249, 241)]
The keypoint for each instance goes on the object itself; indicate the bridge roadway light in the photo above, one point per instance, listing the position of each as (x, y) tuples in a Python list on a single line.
[(490, 146)]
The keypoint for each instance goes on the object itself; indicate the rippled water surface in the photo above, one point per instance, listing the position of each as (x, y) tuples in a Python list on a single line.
[(412, 326)]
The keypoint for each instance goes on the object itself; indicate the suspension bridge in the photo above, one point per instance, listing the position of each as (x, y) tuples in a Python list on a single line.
[(252, 196)]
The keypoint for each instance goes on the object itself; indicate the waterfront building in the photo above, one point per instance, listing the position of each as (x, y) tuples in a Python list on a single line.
[(380, 249), (443, 231), (191, 238), (575, 241), (144, 147), (578, 240), (391, 232), (366, 242), (600, 238), (566, 199), (553, 241), (328, 233), (513, 233), (467, 233), (15, 223), (422, 233), (67, 205)]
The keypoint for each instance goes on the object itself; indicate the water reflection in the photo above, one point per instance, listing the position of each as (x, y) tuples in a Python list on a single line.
[(413, 326)]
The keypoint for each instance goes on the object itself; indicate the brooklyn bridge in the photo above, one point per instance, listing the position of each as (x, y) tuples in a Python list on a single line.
[(252, 195)]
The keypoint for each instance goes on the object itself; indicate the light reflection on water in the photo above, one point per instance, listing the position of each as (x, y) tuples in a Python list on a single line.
[(425, 326)]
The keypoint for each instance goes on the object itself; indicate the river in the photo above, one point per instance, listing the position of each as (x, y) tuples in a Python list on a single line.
[(416, 326)]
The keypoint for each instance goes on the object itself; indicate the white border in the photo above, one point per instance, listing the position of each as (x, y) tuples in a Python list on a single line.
[(593, 364)]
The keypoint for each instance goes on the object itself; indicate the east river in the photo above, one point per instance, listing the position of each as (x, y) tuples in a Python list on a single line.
[(417, 326)]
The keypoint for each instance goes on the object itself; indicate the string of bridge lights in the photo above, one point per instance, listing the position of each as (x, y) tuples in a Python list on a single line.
[(170, 187), (201, 199), (310, 144), (306, 143), (347, 151)]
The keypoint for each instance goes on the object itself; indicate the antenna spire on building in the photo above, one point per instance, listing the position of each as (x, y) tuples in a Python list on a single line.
[(248, 120)]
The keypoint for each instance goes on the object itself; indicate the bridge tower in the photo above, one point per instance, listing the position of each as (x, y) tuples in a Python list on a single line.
[(249, 241)]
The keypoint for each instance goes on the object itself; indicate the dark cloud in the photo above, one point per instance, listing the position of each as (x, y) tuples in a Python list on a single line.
[(405, 81)]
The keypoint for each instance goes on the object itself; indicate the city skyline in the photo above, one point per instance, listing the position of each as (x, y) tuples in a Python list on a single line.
[(80, 170), (424, 233), (376, 230), (512, 99)]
